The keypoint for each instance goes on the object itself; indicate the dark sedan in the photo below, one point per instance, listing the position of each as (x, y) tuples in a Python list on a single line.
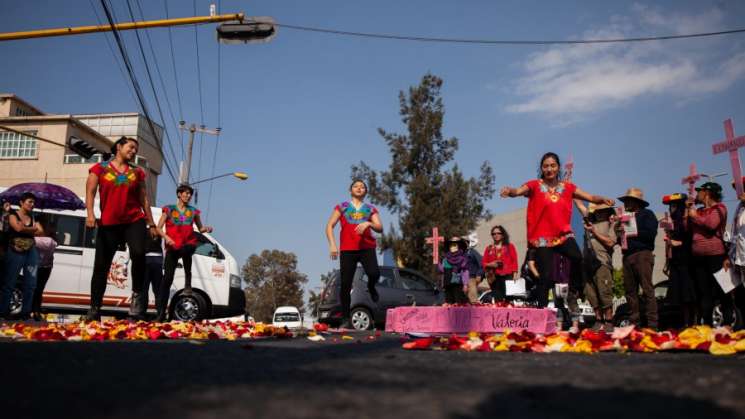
[(397, 287)]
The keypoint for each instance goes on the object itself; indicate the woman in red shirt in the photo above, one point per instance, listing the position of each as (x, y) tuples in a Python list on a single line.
[(358, 220), (549, 221), (125, 211), (500, 262), (181, 242)]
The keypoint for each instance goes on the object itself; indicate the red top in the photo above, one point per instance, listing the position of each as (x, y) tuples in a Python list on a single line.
[(708, 230), (506, 254), (549, 213), (180, 225), (350, 218), (120, 193)]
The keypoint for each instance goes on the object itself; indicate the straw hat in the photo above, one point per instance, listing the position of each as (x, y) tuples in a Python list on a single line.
[(634, 193), (592, 208)]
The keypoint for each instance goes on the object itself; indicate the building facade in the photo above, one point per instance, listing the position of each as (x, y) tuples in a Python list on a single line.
[(36, 146)]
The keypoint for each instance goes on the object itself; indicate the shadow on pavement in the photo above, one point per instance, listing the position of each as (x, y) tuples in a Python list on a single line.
[(566, 401)]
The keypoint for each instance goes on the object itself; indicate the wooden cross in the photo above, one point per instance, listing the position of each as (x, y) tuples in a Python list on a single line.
[(624, 218), (731, 144), (435, 241), (691, 180), (569, 168)]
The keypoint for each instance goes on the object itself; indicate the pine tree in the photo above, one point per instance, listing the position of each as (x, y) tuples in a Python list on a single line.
[(421, 186)]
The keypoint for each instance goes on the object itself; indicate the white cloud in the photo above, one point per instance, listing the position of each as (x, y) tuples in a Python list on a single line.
[(572, 82)]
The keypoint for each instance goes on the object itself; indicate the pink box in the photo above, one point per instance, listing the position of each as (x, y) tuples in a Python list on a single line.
[(482, 319)]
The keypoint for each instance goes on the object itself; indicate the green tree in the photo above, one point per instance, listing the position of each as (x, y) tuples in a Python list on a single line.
[(272, 281), (421, 186)]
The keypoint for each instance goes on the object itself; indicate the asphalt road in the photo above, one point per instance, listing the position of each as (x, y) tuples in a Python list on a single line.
[(349, 379)]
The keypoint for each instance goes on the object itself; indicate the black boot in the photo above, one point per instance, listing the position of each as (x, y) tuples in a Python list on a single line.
[(93, 315), (346, 324), (137, 307)]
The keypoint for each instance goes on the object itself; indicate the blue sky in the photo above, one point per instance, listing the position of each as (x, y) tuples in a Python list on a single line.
[(297, 112)]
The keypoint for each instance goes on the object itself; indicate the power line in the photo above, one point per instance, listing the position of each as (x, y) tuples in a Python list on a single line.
[(152, 85), (160, 77), (219, 122), (175, 78), (199, 68), (504, 42), (136, 86)]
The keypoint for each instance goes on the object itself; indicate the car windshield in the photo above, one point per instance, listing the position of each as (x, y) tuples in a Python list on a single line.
[(286, 317)]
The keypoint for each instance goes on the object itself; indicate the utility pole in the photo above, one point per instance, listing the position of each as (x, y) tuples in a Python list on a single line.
[(192, 128)]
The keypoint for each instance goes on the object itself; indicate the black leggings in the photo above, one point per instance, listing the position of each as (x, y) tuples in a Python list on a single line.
[(42, 276), (348, 266), (108, 241), (709, 290), (544, 259), (169, 266), (499, 287)]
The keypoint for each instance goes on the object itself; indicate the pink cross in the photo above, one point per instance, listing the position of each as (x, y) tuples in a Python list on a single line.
[(666, 224), (623, 217), (569, 168), (691, 180), (435, 241), (731, 144)]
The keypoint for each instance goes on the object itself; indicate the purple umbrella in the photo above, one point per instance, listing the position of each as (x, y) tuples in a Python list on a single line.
[(48, 196)]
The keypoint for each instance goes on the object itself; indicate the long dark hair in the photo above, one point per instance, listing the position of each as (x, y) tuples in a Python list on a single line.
[(121, 141), (505, 235), (549, 155)]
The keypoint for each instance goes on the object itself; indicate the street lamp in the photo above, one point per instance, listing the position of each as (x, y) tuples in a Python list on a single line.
[(238, 175), (254, 29)]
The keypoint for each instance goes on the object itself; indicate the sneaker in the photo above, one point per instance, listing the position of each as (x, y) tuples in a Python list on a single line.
[(598, 326), (346, 324), (160, 318), (93, 315)]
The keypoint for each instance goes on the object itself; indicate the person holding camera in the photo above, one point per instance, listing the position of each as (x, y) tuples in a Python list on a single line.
[(500, 262)]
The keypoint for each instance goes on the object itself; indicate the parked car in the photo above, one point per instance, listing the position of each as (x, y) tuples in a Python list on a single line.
[(287, 316), (216, 282), (397, 287), (669, 314)]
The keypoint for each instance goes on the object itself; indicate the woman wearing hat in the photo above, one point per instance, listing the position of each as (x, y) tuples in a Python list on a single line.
[(709, 253), (125, 211), (640, 232), (549, 220), (181, 242), (682, 290), (454, 268)]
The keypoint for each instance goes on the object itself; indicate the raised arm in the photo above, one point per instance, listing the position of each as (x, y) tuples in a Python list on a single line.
[(333, 219), (200, 227), (508, 192), (595, 199)]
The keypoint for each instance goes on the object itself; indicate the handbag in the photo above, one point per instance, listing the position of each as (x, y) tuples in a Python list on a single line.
[(22, 244)]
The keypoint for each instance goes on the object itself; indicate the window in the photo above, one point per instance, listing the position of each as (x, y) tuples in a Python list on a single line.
[(76, 159), (69, 230), (141, 161), (286, 317), (18, 146), (411, 281), (207, 248), (386, 278), (23, 112)]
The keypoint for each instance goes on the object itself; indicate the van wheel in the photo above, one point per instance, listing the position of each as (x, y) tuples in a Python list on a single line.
[(188, 307), (361, 318)]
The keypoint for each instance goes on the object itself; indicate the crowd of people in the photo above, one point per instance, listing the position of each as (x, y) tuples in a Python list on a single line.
[(699, 248), (27, 244)]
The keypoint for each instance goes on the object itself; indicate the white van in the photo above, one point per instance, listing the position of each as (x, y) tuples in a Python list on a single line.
[(216, 281), (287, 316)]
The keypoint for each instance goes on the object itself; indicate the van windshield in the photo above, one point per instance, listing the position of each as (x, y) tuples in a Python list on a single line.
[(286, 317)]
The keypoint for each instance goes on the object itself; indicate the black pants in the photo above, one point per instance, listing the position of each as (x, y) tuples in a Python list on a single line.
[(169, 265), (454, 294), (108, 241), (708, 288), (544, 260), (153, 277), (499, 287), (42, 276), (348, 260)]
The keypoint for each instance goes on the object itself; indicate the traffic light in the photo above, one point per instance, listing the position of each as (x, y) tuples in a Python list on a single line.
[(81, 148), (256, 29)]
